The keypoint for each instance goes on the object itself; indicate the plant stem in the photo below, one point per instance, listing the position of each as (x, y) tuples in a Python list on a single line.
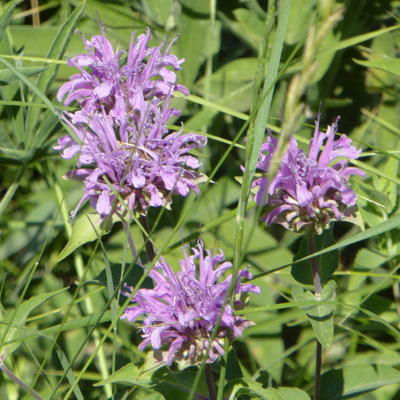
[(318, 362), (131, 243), (210, 383), (19, 382), (314, 265), (316, 271), (149, 246)]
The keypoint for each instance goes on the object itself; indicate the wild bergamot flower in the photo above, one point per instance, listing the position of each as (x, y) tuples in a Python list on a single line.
[(183, 308), (309, 190), (120, 139), (121, 84)]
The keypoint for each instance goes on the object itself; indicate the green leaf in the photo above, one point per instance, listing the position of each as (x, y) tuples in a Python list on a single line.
[(6, 17), (249, 26), (87, 228), (170, 385), (368, 260), (233, 370), (377, 196), (45, 79), (324, 61), (244, 386), (20, 156), (24, 79), (320, 315), (352, 381), (47, 123), (154, 360), (7, 77), (391, 65), (26, 333), (329, 262), (383, 227), (130, 374), (226, 81), (301, 14), (211, 109), (70, 376), (78, 323), (36, 226), (12, 328), (161, 11), (132, 279), (293, 394), (8, 196), (141, 394), (181, 381), (350, 42), (382, 48), (256, 136), (376, 171), (345, 44), (193, 28), (114, 14)]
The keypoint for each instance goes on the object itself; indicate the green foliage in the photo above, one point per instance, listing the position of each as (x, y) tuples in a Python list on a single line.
[(12, 329), (352, 381), (60, 328), (320, 315), (159, 381), (254, 390), (329, 262), (86, 228)]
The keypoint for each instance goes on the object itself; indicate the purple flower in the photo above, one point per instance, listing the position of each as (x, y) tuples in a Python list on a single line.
[(143, 167), (120, 134), (309, 191), (183, 308), (118, 83)]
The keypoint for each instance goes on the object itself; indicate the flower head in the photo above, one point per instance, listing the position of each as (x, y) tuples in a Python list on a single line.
[(120, 139), (309, 190), (183, 308), (121, 84)]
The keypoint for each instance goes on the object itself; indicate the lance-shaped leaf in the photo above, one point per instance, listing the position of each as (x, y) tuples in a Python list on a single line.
[(13, 329), (320, 315), (86, 228), (352, 381)]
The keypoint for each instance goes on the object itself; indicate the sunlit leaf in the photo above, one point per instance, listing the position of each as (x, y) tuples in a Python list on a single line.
[(320, 315), (391, 65), (354, 380), (86, 228), (243, 386), (11, 328)]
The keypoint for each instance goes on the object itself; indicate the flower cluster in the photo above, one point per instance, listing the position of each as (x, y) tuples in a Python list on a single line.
[(120, 136), (309, 190), (182, 310)]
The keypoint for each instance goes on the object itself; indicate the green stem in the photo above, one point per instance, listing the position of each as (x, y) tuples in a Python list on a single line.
[(318, 363), (146, 236), (316, 271), (132, 246), (5, 201), (18, 381), (210, 383)]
